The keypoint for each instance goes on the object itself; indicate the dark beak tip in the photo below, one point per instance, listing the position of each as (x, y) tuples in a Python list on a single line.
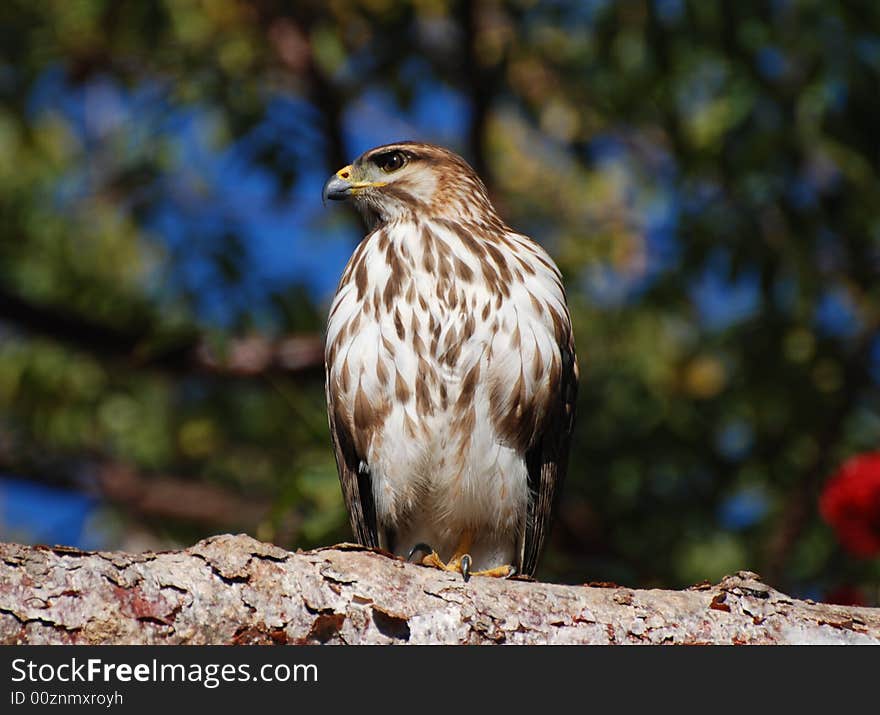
[(335, 189)]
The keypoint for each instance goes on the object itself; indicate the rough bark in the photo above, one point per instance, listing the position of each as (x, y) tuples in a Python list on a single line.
[(233, 589)]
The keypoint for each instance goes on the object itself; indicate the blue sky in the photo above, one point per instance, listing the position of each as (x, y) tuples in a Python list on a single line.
[(34, 513)]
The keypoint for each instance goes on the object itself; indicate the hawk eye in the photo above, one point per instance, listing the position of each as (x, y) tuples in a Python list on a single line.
[(391, 161)]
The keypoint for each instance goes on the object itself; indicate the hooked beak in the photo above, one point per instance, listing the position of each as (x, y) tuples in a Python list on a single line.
[(337, 188), (340, 186)]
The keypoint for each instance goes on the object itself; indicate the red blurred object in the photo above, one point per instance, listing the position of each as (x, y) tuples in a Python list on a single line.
[(850, 503), (846, 596)]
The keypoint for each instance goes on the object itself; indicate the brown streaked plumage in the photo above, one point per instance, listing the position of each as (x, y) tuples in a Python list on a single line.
[(451, 369)]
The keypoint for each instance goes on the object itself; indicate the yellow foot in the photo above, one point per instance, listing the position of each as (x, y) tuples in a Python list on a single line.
[(460, 563), (505, 571)]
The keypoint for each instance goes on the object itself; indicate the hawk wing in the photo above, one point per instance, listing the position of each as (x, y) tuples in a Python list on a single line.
[(354, 475), (547, 461)]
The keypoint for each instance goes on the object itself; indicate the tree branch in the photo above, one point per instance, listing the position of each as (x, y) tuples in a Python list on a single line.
[(247, 356), (147, 495), (233, 589)]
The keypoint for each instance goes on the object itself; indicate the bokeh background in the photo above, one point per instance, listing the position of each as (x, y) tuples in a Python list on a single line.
[(707, 176)]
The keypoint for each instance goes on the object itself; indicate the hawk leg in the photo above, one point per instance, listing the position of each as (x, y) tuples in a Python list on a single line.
[(460, 561)]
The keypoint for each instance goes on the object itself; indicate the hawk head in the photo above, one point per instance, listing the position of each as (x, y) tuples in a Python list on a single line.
[(409, 180)]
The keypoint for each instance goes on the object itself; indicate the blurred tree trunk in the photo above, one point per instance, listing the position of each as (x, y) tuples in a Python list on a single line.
[(233, 589)]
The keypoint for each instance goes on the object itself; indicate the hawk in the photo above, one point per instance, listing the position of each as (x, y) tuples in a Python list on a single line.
[(450, 368)]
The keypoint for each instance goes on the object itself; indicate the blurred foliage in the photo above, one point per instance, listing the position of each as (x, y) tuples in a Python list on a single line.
[(706, 174)]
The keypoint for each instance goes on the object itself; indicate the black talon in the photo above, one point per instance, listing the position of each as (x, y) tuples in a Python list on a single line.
[(466, 567), (419, 548)]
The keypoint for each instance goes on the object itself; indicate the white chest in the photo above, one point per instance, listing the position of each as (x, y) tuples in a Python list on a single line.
[(438, 347)]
